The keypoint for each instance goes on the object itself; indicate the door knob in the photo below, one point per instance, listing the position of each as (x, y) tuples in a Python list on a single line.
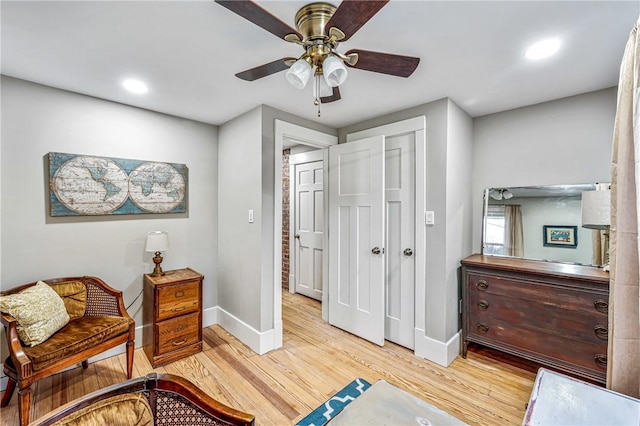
[(407, 252), (375, 250), (296, 236)]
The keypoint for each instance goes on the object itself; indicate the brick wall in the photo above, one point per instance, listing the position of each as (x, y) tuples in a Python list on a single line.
[(285, 218)]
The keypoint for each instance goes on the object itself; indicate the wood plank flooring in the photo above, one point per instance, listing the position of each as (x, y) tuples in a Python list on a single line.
[(316, 361)]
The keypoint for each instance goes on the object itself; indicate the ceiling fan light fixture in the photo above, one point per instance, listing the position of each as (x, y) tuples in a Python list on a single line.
[(335, 73), (299, 73)]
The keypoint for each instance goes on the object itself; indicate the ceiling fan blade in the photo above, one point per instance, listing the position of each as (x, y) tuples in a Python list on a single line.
[(259, 16), (385, 63), (334, 97), (353, 14), (264, 70)]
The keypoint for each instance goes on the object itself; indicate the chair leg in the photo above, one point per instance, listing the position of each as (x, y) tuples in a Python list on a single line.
[(130, 350), (24, 404), (8, 393)]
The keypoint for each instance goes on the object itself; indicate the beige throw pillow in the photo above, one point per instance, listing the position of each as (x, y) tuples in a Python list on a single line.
[(39, 311)]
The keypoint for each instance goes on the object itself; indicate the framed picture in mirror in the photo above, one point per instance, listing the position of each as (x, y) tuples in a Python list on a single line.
[(560, 236)]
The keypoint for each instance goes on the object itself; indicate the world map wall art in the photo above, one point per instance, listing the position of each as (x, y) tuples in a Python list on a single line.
[(85, 185)]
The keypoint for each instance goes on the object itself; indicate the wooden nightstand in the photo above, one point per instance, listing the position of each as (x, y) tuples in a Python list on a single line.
[(172, 316)]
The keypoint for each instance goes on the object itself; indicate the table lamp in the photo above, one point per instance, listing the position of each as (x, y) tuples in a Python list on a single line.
[(596, 214), (157, 241)]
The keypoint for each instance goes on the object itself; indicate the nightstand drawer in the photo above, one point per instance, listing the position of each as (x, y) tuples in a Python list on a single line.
[(177, 299), (177, 333)]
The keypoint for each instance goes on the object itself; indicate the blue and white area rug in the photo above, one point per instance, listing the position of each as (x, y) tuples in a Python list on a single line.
[(335, 404)]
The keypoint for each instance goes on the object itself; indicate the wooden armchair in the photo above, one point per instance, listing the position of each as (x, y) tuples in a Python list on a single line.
[(98, 322), (159, 399)]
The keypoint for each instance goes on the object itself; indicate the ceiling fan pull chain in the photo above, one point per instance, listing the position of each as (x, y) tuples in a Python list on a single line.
[(316, 92)]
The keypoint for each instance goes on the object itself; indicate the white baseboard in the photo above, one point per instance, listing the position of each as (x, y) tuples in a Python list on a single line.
[(259, 342), (442, 353)]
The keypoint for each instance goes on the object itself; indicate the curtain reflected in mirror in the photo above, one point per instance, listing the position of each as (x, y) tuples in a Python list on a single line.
[(515, 219)]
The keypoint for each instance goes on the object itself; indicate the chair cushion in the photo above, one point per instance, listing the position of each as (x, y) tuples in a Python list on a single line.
[(38, 310), (74, 296), (78, 335), (129, 409)]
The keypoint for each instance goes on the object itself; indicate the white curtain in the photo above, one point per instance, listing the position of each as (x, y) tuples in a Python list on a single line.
[(623, 372)]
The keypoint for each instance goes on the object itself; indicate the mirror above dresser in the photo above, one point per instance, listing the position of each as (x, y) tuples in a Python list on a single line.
[(546, 223)]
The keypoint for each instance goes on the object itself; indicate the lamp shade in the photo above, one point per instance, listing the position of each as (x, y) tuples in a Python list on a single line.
[(157, 241), (299, 73), (596, 209), (335, 73)]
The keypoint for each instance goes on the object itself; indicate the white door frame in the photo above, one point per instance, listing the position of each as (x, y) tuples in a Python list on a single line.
[(303, 136), (418, 126)]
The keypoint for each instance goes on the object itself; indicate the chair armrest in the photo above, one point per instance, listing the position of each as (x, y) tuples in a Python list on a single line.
[(21, 361)]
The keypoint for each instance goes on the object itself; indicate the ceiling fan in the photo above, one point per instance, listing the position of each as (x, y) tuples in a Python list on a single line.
[(320, 27)]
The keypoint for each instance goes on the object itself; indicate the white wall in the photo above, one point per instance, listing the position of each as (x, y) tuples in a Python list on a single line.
[(558, 142), (38, 119)]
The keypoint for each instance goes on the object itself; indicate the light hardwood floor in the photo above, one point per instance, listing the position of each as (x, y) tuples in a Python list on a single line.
[(315, 362)]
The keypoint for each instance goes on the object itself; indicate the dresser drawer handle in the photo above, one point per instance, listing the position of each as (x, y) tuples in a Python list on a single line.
[(179, 308), (483, 304), (483, 328), (601, 306), (181, 342), (601, 332), (482, 285), (601, 360), (179, 294)]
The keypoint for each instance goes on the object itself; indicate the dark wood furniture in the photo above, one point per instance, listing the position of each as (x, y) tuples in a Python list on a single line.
[(172, 316), (172, 400), (76, 342), (552, 313)]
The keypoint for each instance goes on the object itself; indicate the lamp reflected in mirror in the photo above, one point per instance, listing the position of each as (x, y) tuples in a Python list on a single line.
[(596, 215)]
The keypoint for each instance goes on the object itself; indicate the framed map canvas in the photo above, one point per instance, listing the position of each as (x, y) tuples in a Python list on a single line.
[(91, 186)]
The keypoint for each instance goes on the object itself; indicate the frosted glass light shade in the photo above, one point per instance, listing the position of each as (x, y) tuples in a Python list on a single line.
[(299, 73), (157, 241), (596, 209), (335, 73)]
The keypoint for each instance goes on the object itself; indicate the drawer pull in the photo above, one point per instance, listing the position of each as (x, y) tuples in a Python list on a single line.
[(482, 285), (483, 304), (601, 332), (483, 328), (601, 360), (179, 294), (178, 309), (181, 342), (601, 306)]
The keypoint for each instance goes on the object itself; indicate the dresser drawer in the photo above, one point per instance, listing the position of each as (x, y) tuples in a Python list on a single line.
[(177, 299), (548, 293), (539, 344), (580, 325), (177, 333)]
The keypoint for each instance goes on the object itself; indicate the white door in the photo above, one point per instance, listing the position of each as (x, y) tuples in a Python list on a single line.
[(309, 227), (400, 239), (356, 238)]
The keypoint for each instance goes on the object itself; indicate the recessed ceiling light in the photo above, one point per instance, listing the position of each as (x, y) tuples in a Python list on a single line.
[(135, 86), (543, 49)]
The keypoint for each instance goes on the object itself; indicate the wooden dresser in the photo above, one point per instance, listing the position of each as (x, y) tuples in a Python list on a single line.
[(552, 313), (172, 316)]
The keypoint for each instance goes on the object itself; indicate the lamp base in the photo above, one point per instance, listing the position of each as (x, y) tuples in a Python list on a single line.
[(157, 271)]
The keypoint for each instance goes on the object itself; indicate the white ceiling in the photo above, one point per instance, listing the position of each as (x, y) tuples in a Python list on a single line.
[(189, 51)]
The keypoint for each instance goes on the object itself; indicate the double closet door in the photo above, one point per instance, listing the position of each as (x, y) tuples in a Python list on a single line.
[(372, 228)]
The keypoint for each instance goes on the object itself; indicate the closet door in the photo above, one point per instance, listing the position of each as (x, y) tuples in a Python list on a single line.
[(400, 239), (356, 238)]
